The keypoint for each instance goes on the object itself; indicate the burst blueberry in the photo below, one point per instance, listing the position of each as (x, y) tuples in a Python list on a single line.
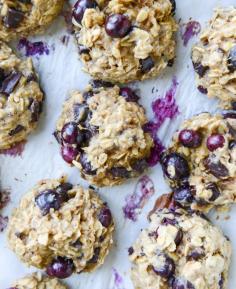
[(190, 138)]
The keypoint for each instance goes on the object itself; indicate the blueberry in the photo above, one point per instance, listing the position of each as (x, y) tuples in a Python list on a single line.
[(146, 64), (233, 104), (232, 59), (95, 257), (105, 217), (49, 199), (202, 89), (69, 154), (217, 169), (130, 251), (190, 138), (80, 7), (64, 188), (16, 130), (167, 221), (77, 244), (117, 25), (229, 114), (173, 3), (13, 18), (10, 82), (200, 69), (140, 166), (196, 254), (232, 144), (69, 132), (175, 166), (178, 283), (184, 195), (129, 94), (61, 267), (120, 172), (179, 237), (215, 191), (86, 165), (215, 141), (167, 269)]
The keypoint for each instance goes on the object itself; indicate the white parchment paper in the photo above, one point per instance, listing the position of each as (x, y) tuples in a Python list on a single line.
[(60, 72)]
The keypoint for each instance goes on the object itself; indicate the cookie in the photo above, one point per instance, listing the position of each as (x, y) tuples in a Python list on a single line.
[(122, 41), (214, 58), (21, 98), (200, 163), (37, 281), (180, 251), (61, 228), (26, 17), (101, 133)]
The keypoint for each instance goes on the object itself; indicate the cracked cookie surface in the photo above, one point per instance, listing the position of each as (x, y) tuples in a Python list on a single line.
[(26, 17), (37, 281), (214, 58), (20, 98), (101, 133), (180, 250), (125, 40), (200, 164), (61, 228)]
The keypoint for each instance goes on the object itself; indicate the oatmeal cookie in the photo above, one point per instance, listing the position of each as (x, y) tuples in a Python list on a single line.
[(200, 164), (125, 40), (101, 133), (61, 228), (180, 250), (24, 17), (37, 281), (214, 58), (20, 98)]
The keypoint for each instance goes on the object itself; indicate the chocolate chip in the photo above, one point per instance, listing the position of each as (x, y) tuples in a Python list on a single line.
[(95, 257), (36, 108), (200, 69), (16, 130), (83, 50), (216, 169), (146, 64), (99, 83), (215, 191), (202, 89), (13, 18), (10, 82)]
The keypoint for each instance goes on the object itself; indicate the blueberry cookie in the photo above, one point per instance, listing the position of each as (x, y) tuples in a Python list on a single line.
[(200, 164), (20, 98), (180, 251), (23, 17), (122, 41), (37, 281), (214, 58), (101, 133), (61, 228)]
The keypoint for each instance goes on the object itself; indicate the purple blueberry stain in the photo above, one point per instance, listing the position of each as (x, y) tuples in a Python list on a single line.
[(3, 223), (163, 108), (37, 48), (15, 151), (118, 280), (143, 191), (189, 30)]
